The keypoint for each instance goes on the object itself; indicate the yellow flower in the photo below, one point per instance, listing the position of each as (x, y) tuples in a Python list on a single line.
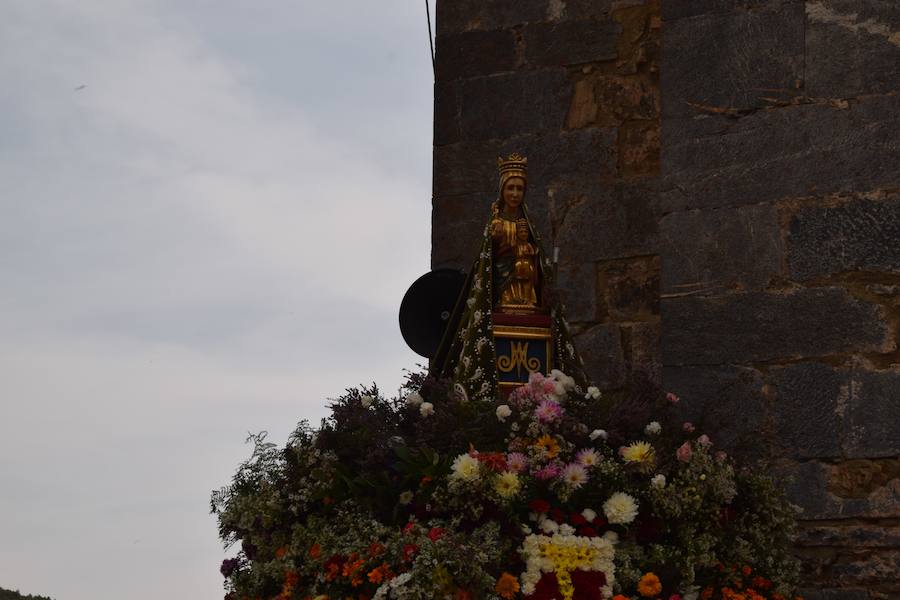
[(638, 452), (507, 586), (649, 585), (550, 445), (507, 484)]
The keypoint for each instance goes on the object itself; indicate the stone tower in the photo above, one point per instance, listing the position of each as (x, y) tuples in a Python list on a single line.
[(722, 178)]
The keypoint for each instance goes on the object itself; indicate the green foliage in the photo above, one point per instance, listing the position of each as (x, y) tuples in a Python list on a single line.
[(15, 595)]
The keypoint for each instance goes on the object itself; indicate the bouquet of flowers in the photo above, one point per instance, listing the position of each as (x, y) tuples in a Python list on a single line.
[(545, 494)]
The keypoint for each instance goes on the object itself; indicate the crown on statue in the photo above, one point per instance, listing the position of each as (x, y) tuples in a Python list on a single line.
[(515, 163)]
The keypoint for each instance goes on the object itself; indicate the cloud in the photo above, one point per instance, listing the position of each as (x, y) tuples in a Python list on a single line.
[(204, 240)]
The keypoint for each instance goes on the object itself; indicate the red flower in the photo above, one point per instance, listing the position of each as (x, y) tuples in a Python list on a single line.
[(435, 534), (539, 506), (558, 515), (495, 461), (577, 519), (600, 522), (587, 532), (408, 527), (587, 584), (409, 550)]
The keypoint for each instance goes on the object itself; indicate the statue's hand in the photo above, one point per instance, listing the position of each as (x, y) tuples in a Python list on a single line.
[(496, 227)]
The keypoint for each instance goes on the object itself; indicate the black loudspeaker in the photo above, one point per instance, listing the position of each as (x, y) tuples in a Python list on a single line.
[(426, 309)]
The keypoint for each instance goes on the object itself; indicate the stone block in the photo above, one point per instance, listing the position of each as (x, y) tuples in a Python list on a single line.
[(873, 415), (760, 326), (808, 411), (857, 535), (506, 105), (726, 403), (731, 61), (570, 42), (566, 159), (474, 53), (457, 224), (604, 359), (630, 289), (856, 568), (446, 112), (577, 286), (612, 100), (707, 251), (852, 48), (642, 349), (814, 487), (834, 593), (454, 16), (691, 8), (610, 222), (861, 235), (804, 150)]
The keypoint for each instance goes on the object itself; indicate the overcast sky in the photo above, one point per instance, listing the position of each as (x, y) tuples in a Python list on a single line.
[(210, 213)]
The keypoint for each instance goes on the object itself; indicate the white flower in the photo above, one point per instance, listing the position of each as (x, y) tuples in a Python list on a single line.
[(653, 428), (599, 433), (406, 497), (568, 382), (414, 399), (593, 393), (465, 467), (620, 508), (366, 401), (426, 409), (549, 526), (526, 529), (658, 481), (566, 529), (503, 411), (589, 515), (470, 302)]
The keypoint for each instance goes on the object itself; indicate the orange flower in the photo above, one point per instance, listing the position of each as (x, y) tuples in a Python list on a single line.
[(761, 583), (376, 575), (507, 586), (462, 594), (281, 552), (730, 594), (550, 445), (746, 570), (649, 585), (620, 597), (707, 593), (290, 579), (315, 551)]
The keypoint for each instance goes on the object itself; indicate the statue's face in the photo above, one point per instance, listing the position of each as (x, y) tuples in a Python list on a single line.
[(513, 192)]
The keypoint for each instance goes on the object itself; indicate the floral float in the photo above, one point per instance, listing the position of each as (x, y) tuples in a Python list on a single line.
[(546, 494)]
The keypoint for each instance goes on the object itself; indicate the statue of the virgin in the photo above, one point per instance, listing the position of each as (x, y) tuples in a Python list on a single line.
[(509, 281)]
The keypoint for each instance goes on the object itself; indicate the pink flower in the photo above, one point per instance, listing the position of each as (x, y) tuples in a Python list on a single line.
[(684, 452), (675, 597), (672, 398), (704, 441), (688, 427), (548, 411), (721, 456), (535, 377), (516, 462), (548, 386), (550, 471)]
